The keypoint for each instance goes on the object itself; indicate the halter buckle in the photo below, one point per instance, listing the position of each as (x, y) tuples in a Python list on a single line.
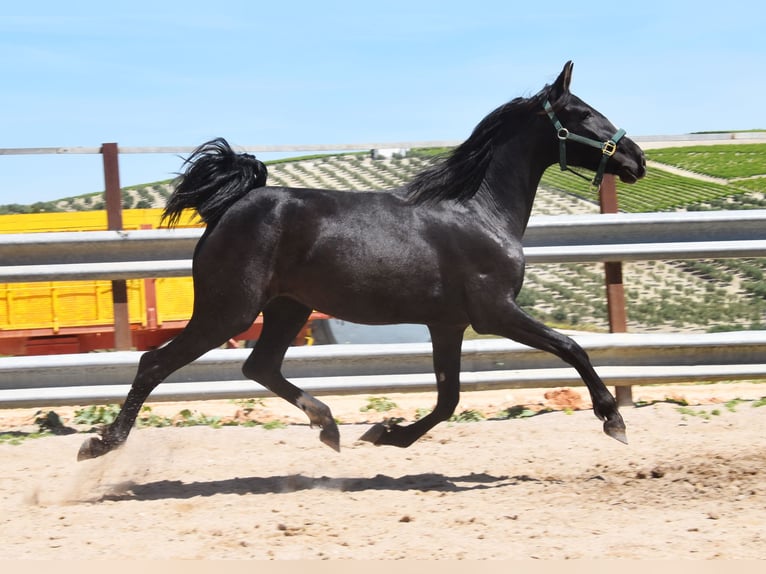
[(563, 134), (609, 148)]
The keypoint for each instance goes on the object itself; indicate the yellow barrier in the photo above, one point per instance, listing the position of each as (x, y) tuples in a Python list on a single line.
[(56, 305)]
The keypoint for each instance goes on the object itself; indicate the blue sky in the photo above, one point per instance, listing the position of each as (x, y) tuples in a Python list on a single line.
[(177, 73)]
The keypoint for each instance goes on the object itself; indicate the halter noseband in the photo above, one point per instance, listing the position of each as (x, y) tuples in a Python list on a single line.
[(607, 147)]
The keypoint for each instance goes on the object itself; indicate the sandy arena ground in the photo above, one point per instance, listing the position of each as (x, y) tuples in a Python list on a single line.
[(691, 485)]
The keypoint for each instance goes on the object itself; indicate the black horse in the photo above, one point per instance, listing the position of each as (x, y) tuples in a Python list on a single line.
[(444, 251)]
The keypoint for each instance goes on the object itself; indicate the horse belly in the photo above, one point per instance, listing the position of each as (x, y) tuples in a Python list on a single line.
[(381, 288)]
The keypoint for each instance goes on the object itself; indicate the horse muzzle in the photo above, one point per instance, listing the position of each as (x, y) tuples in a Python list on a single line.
[(632, 171)]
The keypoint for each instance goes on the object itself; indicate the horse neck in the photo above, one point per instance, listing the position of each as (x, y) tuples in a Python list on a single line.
[(512, 179)]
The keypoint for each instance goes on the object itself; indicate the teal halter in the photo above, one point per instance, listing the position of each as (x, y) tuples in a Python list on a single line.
[(607, 147)]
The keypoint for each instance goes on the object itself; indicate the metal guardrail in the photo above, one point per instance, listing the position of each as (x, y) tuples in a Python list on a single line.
[(548, 239), (621, 359), (115, 255)]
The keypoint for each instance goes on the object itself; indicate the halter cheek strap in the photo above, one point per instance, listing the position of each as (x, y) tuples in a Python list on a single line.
[(607, 147)]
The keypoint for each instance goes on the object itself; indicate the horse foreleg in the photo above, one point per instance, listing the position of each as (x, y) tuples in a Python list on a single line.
[(446, 344), (283, 319), (512, 322)]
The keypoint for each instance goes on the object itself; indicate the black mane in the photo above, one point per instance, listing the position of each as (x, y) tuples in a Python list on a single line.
[(459, 175)]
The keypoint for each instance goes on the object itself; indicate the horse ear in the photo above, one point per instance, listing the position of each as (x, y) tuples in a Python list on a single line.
[(561, 85)]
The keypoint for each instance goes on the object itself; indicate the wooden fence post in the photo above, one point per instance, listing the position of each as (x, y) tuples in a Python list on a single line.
[(113, 197), (615, 291)]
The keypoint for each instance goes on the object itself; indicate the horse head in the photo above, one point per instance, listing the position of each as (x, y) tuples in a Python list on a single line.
[(586, 138)]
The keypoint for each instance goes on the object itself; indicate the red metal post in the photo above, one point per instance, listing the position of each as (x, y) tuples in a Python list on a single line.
[(615, 291), (113, 199)]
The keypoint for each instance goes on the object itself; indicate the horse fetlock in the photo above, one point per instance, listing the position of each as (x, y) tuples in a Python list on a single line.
[(319, 414), (605, 407)]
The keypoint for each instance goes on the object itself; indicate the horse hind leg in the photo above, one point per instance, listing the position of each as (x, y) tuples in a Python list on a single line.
[(201, 334), (283, 319), (446, 342)]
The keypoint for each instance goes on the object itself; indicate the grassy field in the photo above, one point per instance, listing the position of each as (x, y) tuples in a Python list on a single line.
[(743, 167), (660, 191), (725, 161)]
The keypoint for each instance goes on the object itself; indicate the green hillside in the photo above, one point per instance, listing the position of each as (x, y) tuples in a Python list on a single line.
[(727, 161)]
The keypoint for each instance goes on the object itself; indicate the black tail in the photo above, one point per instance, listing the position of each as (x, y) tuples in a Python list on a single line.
[(215, 178)]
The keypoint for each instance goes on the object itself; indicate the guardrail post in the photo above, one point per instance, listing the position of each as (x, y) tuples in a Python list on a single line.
[(615, 290), (113, 198)]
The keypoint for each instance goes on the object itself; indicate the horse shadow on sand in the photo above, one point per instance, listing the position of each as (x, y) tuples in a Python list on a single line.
[(434, 482)]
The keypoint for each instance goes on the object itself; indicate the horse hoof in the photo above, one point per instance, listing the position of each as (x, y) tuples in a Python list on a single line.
[(331, 436), (92, 448), (374, 433), (616, 429)]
